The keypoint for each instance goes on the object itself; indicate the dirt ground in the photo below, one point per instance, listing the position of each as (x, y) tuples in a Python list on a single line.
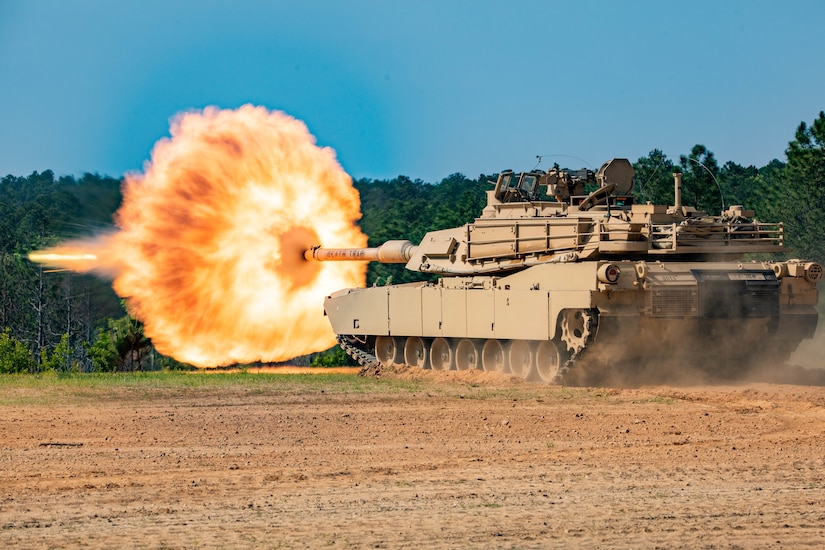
[(453, 460)]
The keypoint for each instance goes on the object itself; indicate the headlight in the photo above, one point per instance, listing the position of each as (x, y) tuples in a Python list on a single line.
[(609, 273)]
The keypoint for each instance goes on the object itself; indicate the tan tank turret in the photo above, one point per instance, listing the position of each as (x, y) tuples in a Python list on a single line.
[(537, 287)]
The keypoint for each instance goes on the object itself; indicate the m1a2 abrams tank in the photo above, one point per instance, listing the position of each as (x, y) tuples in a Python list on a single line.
[(544, 288)]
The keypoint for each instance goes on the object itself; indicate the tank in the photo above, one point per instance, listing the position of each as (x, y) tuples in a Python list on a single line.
[(550, 281)]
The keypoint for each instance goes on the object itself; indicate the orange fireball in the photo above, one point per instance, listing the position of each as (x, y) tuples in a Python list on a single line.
[(209, 252)]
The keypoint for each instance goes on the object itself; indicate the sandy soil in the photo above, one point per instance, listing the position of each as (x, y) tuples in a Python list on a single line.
[(449, 461)]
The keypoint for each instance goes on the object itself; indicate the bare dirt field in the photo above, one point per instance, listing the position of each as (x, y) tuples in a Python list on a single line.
[(408, 460)]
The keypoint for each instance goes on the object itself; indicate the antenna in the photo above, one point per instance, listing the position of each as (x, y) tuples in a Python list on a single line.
[(643, 186), (541, 157), (719, 187)]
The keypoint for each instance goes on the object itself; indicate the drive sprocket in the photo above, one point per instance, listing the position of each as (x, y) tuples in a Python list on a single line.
[(577, 327)]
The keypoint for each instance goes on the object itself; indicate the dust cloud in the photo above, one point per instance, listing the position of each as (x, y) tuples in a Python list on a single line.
[(677, 357), (209, 248)]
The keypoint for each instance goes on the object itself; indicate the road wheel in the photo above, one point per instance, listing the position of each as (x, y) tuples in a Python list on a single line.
[(520, 355), (416, 353), (441, 355), (492, 356), (388, 350), (467, 356), (549, 360)]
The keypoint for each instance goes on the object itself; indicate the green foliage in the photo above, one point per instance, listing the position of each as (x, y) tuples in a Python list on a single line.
[(739, 183), (654, 178), (768, 192), (39, 306), (405, 209), (334, 357), (171, 364), (700, 186), (758, 189), (60, 358), (36, 209), (15, 356), (803, 205), (121, 347), (103, 353)]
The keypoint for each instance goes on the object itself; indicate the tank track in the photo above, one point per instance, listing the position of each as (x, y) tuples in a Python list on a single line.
[(368, 361), (371, 366), (565, 368)]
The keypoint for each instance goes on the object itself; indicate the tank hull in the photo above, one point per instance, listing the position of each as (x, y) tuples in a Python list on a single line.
[(554, 321)]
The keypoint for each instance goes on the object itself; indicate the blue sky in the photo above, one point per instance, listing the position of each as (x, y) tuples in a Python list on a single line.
[(422, 88)]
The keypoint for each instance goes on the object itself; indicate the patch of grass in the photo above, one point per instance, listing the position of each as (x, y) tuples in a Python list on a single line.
[(74, 388), (69, 388)]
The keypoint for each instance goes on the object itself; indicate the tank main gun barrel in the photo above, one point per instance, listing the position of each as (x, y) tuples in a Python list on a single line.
[(391, 252)]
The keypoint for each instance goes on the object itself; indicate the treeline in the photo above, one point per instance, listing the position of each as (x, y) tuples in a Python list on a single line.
[(63, 321), (52, 320)]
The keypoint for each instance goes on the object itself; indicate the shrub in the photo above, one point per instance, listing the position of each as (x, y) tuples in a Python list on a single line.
[(15, 356), (335, 357), (103, 352)]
